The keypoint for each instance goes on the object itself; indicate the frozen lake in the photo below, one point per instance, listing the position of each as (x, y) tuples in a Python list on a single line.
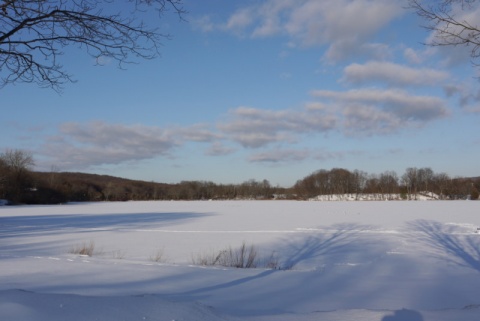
[(385, 261)]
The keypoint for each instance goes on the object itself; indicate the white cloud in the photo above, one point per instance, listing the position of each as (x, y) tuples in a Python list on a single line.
[(459, 52), (240, 20), (203, 23), (82, 145), (367, 119), (355, 112), (133, 137), (257, 127), (452, 56), (332, 23), (280, 156), (413, 56), (219, 149), (318, 22), (337, 155), (468, 97), (393, 74), (375, 111), (196, 133), (270, 17), (295, 155)]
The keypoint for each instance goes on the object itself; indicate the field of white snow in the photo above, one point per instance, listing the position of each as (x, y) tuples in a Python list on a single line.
[(362, 261)]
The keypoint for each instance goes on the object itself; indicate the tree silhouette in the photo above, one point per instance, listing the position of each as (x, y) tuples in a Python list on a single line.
[(33, 34), (451, 22)]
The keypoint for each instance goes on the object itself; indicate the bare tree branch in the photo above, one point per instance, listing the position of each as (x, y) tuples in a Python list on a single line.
[(33, 34), (450, 22)]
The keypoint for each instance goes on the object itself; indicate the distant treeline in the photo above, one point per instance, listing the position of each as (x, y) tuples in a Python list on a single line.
[(412, 182), (20, 185), (80, 187)]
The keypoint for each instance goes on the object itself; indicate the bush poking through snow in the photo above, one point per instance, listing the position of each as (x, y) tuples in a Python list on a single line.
[(244, 257), (273, 262), (206, 259), (84, 249), (118, 254), (159, 256)]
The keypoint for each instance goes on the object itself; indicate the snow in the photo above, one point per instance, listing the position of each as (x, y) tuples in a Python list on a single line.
[(421, 196), (381, 261)]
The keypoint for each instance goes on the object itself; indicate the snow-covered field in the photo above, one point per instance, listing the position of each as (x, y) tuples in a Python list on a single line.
[(380, 261)]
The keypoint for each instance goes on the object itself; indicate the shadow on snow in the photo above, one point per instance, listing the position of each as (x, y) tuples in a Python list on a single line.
[(31, 225), (448, 243), (404, 315), (258, 288), (340, 241)]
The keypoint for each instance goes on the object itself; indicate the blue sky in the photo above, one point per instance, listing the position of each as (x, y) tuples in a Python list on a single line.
[(272, 89)]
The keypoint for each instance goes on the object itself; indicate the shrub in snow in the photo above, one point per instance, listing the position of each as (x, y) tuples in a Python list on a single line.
[(244, 257), (84, 249), (159, 256), (118, 254), (272, 262)]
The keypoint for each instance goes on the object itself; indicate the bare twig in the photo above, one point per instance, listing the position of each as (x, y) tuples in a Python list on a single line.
[(34, 32)]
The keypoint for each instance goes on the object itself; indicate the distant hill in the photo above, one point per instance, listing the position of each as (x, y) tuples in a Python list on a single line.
[(61, 187), (93, 187), (57, 187)]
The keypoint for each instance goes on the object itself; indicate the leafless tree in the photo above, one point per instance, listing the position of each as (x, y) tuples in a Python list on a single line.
[(18, 160), (442, 182), (388, 183), (410, 180), (33, 34), (3, 177), (425, 178), (451, 23), (15, 166), (359, 181), (340, 180)]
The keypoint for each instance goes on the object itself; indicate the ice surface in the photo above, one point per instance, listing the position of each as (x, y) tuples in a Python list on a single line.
[(382, 261)]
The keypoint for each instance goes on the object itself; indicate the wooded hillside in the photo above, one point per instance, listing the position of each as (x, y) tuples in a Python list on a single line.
[(19, 184)]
